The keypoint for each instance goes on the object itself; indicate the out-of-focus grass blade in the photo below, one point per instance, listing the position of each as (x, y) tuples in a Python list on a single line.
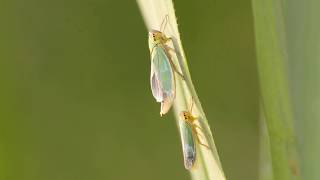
[(303, 37), (265, 166), (272, 63)]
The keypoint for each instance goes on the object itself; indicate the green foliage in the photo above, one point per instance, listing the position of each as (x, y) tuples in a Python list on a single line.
[(303, 39), (276, 103)]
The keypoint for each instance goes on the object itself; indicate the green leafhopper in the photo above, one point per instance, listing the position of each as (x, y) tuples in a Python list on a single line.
[(162, 77), (189, 134)]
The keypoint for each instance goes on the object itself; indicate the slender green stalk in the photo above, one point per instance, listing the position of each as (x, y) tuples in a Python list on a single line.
[(265, 166), (208, 165), (303, 30), (272, 59)]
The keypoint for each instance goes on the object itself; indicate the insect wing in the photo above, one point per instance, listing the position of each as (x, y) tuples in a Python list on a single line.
[(155, 85), (162, 78), (188, 145)]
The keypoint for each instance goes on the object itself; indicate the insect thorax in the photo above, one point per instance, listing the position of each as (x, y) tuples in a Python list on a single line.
[(156, 38)]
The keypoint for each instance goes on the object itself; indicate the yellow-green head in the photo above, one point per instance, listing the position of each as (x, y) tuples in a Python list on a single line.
[(156, 37)]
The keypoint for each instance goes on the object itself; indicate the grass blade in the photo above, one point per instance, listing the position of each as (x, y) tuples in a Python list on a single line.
[(208, 165), (303, 37), (272, 59)]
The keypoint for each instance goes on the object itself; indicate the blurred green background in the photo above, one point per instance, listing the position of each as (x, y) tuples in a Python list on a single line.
[(75, 101)]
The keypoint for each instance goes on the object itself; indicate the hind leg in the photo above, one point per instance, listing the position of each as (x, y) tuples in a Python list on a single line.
[(195, 132), (170, 59)]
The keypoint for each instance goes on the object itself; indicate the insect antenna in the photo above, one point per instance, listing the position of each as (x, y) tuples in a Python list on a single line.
[(164, 23), (191, 105)]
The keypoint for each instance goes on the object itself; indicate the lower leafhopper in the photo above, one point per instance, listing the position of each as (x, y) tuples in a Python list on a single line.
[(190, 137)]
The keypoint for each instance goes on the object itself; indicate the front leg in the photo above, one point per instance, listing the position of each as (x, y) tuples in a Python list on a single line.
[(152, 49)]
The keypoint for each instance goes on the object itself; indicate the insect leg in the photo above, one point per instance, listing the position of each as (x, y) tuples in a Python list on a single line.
[(175, 68), (197, 126), (202, 143), (171, 62), (152, 49), (199, 141), (194, 126)]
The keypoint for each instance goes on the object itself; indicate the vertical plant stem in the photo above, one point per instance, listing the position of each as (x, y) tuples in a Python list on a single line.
[(265, 169), (208, 166), (272, 59), (303, 32)]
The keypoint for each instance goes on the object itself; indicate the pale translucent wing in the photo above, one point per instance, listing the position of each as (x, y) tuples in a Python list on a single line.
[(155, 85), (165, 106), (165, 72), (188, 145), (162, 79)]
